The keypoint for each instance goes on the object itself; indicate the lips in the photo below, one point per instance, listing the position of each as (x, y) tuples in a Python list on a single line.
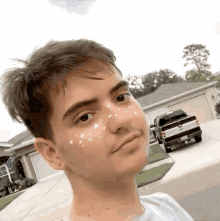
[(127, 140)]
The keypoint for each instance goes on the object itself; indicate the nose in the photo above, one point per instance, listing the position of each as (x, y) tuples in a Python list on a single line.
[(118, 119)]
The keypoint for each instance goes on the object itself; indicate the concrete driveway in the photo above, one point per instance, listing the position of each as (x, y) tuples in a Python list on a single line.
[(51, 199)]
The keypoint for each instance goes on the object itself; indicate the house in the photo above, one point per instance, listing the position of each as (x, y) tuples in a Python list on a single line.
[(33, 164), (196, 98)]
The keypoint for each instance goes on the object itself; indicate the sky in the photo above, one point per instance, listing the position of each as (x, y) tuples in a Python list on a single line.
[(145, 35)]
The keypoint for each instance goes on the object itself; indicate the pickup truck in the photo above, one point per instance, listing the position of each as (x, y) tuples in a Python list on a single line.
[(175, 127)]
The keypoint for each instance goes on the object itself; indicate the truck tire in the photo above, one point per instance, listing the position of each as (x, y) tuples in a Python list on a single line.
[(167, 148), (198, 139), (158, 140)]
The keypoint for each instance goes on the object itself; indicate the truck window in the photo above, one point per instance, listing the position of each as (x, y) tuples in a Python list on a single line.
[(172, 117)]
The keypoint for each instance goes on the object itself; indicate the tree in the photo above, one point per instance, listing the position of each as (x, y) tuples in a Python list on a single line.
[(148, 83), (197, 54), (192, 75)]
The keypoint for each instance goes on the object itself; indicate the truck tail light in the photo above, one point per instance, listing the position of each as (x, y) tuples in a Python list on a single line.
[(163, 134)]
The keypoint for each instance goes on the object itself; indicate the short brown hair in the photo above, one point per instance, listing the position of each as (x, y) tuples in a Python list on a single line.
[(25, 90)]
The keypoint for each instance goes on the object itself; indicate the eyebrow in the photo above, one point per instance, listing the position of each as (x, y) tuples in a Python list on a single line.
[(93, 101)]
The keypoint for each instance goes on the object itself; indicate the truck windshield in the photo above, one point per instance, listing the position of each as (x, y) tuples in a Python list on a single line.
[(172, 117)]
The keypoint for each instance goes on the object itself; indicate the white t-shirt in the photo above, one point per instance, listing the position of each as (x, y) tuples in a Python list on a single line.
[(159, 207)]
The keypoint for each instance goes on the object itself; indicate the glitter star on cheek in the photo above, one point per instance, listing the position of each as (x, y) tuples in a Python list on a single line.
[(82, 135), (90, 139), (96, 126), (71, 142), (109, 105), (109, 116), (104, 128), (135, 112)]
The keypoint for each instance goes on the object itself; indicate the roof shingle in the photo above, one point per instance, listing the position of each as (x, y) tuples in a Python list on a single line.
[(166, 91)]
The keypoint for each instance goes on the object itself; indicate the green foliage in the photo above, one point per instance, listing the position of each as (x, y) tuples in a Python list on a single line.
[(197, 54), (27, 182), (148, 83), (193, 75)]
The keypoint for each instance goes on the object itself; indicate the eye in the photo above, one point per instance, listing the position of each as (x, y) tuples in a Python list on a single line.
[(122, 96), (83, 118)]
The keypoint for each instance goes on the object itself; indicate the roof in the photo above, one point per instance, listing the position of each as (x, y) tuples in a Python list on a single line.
[(20, 140), (166, 91), (23, 136)]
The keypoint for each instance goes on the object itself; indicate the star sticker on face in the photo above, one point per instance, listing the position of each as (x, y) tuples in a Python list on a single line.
[(80, 141), (115, 115), (96, 126), (126, 111), (109, 105), (135, 112), (118, 108), (104, 128), (82, 135), (129, 106), (109, 116), (90, 134), (71, 142), (90, 139)]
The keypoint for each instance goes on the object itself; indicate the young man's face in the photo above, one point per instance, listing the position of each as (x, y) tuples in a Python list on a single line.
[(88, 138)]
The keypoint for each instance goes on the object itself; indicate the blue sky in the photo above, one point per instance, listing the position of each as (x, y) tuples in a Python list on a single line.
[(144, 35)]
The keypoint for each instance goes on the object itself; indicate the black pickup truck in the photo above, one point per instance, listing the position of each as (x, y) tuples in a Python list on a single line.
[(175, 127)]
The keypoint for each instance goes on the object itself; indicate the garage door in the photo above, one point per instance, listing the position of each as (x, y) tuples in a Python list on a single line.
[(41, 167), (151, 115), (198, 106)]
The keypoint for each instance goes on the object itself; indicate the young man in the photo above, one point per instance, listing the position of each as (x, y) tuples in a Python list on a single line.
[(74, 100)]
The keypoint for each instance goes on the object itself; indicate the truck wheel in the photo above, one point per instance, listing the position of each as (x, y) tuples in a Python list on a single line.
[(158, 140), (198, 139), (167, 148)]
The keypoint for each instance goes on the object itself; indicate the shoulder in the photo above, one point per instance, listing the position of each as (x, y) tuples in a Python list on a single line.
[(164, 203)]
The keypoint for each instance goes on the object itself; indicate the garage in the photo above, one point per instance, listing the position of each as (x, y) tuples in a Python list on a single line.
[(197, 105), (41, 167)]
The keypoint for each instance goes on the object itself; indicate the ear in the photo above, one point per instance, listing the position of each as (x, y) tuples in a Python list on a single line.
[(49, 152)]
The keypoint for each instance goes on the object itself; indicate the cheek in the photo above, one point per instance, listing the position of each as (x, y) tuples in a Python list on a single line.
[(89, 136)]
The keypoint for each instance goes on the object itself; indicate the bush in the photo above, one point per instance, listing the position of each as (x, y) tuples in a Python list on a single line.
[(27, 182), (217, 107)]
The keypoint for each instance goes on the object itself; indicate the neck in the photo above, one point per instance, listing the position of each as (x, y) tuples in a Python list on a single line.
[(105, 201)]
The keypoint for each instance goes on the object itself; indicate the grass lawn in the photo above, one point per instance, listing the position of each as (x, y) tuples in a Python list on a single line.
[(156, 153), (5, 201), (152, 175)]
